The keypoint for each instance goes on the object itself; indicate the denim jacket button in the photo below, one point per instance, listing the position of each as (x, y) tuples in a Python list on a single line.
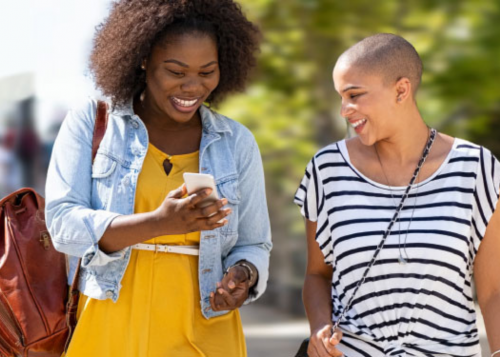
[(135, 124), (109, 294)]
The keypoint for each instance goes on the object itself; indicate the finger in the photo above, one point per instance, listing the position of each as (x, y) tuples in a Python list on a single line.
[(220, 303), (197, 197), (336, 337), (212, 209), (202, 225), (213, 304), (212, 214), (228, 299), (179, 192), (331, 349), (218, 218)]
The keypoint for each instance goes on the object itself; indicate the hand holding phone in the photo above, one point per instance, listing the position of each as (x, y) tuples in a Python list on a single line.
[(196, 182), (199, 211)]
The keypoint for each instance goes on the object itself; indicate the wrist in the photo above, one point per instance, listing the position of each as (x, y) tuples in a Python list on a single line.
[(250, 271), (319, 326), (154, 223)]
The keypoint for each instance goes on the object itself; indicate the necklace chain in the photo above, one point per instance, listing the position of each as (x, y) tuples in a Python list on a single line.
[(406, 258)]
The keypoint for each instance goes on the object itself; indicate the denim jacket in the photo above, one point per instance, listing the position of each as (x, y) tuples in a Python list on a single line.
[(83, 198)]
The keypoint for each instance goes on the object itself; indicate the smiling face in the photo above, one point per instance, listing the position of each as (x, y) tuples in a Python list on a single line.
[(181, 73), (368, 103)]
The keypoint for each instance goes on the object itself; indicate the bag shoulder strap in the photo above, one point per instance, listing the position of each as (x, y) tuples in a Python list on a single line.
[(101, 123), (100, 126)]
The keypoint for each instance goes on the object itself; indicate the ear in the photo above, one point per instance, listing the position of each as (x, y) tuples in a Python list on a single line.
[(403, 90)]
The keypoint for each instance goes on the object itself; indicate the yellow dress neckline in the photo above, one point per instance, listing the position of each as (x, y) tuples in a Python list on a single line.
[(170, 157)]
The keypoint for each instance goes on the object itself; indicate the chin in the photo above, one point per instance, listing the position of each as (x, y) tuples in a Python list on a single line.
[(367, 140), (182, 117)]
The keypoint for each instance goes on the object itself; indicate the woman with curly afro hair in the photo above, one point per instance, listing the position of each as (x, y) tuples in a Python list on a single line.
[(163, 271)]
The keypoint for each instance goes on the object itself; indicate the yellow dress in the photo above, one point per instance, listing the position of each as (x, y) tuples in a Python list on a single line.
[(158, 312)]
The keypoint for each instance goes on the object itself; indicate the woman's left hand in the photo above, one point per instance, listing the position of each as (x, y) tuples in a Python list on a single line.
[(232, 291)]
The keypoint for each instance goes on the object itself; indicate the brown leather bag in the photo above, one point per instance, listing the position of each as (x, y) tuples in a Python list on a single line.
[(37, 315)]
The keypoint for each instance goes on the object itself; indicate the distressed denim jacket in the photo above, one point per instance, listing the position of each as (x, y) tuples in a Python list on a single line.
[(83, 198)]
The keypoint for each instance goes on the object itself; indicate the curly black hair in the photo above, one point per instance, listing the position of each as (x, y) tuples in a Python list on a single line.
[(134, 27)]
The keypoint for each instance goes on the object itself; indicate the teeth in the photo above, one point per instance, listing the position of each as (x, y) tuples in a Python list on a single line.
[(358, 123), (184, 103)]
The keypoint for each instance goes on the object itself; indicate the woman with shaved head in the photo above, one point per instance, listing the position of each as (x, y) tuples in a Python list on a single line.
[(398, 219)]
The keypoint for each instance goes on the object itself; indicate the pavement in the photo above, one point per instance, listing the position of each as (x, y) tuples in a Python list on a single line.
[(272, 333)]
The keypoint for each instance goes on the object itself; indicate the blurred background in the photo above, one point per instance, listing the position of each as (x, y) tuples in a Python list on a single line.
[(290, 104)]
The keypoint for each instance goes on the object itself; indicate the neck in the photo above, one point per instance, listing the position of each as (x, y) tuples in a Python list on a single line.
[(406, 143)]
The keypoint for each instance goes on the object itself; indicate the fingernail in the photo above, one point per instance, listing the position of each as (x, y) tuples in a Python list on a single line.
[(218, 284), (212, 294), (231, 284), (224, 200), (207, 191), (220, 291), (229, 211)]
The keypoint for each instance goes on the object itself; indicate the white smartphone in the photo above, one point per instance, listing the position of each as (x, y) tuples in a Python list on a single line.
[(196, 182)]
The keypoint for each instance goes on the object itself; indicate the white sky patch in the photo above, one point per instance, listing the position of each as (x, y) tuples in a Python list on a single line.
[(52, 39)]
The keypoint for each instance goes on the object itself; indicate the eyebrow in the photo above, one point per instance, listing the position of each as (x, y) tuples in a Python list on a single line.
[(350, 88), (186, 66)]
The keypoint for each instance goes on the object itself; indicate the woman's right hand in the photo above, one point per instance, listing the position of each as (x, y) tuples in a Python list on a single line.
[(322, 343), (178, 215)]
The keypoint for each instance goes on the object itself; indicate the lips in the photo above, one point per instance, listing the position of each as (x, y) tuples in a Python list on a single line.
[(358, 124), (185, 105)]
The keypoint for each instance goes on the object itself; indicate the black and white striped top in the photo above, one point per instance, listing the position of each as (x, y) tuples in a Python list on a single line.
[(425, 307)]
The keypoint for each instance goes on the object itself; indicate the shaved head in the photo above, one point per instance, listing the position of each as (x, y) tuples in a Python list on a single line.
[(385, 55)]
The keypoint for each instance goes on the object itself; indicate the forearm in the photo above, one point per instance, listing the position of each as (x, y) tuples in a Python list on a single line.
[(317, 301), (491, 313), (125, 231)]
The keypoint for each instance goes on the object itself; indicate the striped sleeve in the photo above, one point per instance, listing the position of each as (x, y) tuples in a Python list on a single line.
[(306, 196), (486, 194), (310, 198)]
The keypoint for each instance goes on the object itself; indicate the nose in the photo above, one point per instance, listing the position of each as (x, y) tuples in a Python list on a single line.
[(191, 85), (346, 109)]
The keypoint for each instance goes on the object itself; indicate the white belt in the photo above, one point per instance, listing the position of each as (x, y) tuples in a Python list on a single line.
[(179, 249)]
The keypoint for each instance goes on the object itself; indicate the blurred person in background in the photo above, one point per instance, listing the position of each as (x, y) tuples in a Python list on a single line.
[(413, 265), (10, 171), (158, 62), (23, 140)]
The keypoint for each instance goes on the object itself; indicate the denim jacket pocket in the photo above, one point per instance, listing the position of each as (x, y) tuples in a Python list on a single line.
[(102, 180), (103, 166), (229, 190)]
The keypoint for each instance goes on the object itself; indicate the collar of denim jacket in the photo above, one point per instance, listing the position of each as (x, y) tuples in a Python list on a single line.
[(210, 120)]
